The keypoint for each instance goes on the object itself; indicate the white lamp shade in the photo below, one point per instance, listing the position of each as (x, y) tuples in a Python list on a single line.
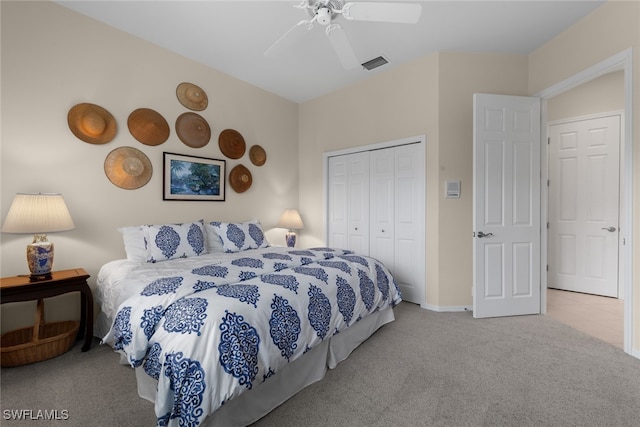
[(38, 213), (290, 219)]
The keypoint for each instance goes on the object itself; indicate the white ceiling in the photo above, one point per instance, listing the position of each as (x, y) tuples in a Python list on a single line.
[(232, 36)]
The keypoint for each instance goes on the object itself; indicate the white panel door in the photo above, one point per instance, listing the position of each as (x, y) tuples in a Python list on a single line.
[(358, 202), (349, 202), (338, 211), (383, 207), (409, 258), (584, 187), (396, 216), (506, 210)]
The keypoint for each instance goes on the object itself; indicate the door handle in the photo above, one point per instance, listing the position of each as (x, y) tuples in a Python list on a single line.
[(609, 229), (482, 234)]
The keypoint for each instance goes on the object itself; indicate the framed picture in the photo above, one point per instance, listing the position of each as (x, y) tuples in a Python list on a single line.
[(193, 178)]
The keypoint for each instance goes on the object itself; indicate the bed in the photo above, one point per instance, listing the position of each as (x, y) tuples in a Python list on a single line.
[(221, 327)]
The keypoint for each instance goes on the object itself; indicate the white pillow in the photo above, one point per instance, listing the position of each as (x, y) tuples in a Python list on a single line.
[(240, 236), (169, 241), (214, 242), (134, 244)]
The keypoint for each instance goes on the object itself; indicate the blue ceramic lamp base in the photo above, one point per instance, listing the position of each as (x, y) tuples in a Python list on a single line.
[(291, 238), (40, 258)]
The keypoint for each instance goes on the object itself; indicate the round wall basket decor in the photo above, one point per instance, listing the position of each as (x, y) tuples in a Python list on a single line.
[(193, 130), (148, 126), (240, 179), (91, 123), (128, 168), (231, 143), (257, 155), (192, 96)]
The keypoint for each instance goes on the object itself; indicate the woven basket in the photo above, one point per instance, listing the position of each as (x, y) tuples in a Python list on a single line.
[(40, 342)]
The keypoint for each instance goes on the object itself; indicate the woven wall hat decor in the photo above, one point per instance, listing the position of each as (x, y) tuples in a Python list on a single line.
[(193, 130), (231, 143), (257, 155), (192, 96), (91, 123), (128, 168), (148, 126), (240, 179)]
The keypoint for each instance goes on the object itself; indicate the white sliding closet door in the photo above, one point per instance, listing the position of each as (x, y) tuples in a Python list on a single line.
[(396, 204), (338, 193), (349, 202), (376, 207), (409, 225), (383, 207)]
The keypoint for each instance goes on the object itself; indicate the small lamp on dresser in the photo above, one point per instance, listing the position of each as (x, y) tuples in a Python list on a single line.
[(290, 219), (38, 214)]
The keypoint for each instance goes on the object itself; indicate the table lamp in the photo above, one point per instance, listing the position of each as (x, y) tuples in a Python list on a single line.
[(290, 219), (38, 213)]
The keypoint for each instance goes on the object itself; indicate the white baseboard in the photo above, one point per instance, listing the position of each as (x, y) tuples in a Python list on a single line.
[(449, 308), (635, 353)]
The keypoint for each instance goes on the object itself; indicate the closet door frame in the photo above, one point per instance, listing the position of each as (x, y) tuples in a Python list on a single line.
[(421, 140)]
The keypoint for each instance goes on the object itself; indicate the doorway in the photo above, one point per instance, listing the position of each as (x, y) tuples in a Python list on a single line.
[(618, 63), (599, 317)]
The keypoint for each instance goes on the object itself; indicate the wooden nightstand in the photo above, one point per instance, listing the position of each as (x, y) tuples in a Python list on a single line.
[(19, 288)]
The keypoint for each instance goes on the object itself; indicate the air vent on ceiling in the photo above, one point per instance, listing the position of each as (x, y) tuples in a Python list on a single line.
[(374, 63)]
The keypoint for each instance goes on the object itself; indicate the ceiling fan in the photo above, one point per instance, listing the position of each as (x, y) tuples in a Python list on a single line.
[(324, 12)]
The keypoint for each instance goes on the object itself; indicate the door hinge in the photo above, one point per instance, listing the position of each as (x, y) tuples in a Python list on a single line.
[(548, 181), (548, 140), (547, 225), (547, 267)]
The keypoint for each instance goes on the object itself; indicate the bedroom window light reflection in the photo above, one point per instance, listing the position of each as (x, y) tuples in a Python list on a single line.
[(291, 220)]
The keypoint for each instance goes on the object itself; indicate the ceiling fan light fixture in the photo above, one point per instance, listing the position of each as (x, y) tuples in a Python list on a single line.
[(374, 63)]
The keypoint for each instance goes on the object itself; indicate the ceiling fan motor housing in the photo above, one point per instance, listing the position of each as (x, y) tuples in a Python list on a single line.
[(323, 10), (324, 16)]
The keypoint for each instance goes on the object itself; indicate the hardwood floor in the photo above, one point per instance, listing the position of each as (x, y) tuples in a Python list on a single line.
[(601, 317)]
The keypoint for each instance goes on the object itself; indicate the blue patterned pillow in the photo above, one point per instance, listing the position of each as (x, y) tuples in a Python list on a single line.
[(171, 241), (240, 236)]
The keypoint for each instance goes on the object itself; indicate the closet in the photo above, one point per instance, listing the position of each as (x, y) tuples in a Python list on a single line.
[(375, 207)]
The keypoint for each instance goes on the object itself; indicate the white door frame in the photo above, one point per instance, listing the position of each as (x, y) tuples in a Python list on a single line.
[(619, 62)]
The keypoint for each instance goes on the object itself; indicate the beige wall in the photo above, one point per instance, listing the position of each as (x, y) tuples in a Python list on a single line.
[(609, 30), (54, 58), (601, 95)]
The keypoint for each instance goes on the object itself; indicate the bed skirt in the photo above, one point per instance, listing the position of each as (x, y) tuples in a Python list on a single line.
[(308, 369)]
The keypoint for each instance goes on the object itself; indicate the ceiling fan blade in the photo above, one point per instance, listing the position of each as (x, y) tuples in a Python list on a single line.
[(342, 46), (286, 41), (404, 13)]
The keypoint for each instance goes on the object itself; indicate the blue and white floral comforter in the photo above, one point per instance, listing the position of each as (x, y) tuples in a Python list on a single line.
[(211, 332)]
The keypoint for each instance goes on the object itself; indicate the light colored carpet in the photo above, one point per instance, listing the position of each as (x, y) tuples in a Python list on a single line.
[(424, 369)]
